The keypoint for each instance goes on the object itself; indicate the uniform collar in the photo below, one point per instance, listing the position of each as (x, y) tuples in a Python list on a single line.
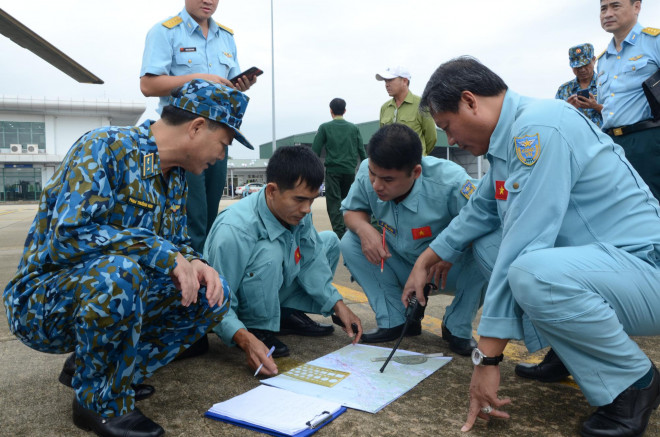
[(149, 158), (575, 85), (500, 138), (408, 99), (273, 226), (411, 202), (631, 39), (191, 24)]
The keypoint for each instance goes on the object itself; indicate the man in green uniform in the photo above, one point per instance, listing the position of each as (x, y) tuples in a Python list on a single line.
[(343, 145), (403, 107)]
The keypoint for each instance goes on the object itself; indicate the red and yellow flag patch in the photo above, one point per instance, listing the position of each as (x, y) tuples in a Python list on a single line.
[(296, 255), (500, 192), (419, 233)]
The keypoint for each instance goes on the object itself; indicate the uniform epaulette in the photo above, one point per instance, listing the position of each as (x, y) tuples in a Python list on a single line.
[(172, 22), (599, 56), (225, 28), (651, 31)]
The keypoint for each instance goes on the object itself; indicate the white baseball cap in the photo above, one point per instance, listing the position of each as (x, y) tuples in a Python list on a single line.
[(392, 72)]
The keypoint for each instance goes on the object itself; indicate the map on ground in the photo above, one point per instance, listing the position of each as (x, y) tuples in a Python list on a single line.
[(365, 388)]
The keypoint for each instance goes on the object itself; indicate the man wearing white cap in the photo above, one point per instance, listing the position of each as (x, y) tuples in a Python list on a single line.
[(404, 107)]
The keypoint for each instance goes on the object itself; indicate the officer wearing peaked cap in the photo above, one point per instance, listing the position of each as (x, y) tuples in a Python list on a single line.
[(108, 272)]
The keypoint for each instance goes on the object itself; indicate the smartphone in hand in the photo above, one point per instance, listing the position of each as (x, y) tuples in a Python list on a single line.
[(250, 73), (583, 93)]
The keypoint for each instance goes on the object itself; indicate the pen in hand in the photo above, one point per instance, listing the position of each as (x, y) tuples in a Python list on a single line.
[(270, 352), (382, 260)]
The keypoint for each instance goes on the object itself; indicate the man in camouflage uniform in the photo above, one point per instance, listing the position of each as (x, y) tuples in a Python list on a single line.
[(582, 61), (108, 272)]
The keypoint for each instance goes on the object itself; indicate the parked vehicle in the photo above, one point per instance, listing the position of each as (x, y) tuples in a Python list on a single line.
[(248, 189)]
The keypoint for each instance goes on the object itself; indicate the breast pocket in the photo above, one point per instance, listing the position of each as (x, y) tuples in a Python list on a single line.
[(637, 71), (188, 59), (601, 80), (226, 63)]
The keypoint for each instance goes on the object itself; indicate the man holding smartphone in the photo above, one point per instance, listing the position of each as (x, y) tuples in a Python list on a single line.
[(190, 45), (581, 91)]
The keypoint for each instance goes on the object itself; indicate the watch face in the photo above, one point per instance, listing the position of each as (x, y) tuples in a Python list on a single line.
[(476, 356)]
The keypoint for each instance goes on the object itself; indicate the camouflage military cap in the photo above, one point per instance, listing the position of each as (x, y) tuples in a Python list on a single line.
[(580, 55), (214, 101)]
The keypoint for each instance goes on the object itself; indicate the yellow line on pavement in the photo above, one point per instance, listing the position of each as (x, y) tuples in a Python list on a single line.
[(514, 351)]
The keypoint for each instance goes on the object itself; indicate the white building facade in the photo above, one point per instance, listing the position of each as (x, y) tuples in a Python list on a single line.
[(36, 134)]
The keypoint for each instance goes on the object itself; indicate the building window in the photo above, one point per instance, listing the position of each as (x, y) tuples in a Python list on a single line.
[(20, 182), (23, 133)]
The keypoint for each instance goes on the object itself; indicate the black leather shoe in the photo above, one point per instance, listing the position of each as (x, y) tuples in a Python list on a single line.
[(142, 391), (268, 338), (382, 335), (299, 323), (551, 369), (133, 424), (200, 347), (458, 345), (628, 415)]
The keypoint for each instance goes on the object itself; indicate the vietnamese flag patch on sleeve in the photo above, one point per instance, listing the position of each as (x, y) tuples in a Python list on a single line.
[(419, 233), (296, 255), (500, 192)]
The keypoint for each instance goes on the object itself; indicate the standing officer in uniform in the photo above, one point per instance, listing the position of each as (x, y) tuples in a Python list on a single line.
[(343, 146), (582, 60), (631, 57), (108, 272), (413, 199), (403, 107), (275, 262), (580, 251), (189, 46)]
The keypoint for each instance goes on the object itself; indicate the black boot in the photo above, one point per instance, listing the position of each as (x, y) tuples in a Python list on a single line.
[(133, 424), (458, 345), (551, 369), (628, 415)]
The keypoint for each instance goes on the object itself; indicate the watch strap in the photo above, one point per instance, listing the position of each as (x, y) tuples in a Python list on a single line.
[(492, 361)]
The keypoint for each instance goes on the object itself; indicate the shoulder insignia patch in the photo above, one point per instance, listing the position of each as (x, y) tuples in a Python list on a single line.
[(602, 53), (172, 22), (225, 28), (528, 149), (651, 31), (467, 189)]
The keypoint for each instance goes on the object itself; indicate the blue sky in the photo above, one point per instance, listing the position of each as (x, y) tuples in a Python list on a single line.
[(322, 49)]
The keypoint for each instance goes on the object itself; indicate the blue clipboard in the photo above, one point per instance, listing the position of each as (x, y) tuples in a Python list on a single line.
[(303, 433)]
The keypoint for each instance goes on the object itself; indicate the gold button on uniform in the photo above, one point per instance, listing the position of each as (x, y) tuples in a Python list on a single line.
[(612, 94), (515, 185), (190, 61)]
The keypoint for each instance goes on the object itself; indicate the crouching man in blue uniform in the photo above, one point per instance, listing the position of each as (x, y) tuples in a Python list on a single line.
[(580, 250), (277, 265), (413, 199), (108, 272)]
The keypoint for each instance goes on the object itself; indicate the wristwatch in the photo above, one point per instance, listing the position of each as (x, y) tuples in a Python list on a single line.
[(479, 359)]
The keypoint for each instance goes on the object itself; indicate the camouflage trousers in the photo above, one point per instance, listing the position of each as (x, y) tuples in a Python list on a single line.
[(123, 321)]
